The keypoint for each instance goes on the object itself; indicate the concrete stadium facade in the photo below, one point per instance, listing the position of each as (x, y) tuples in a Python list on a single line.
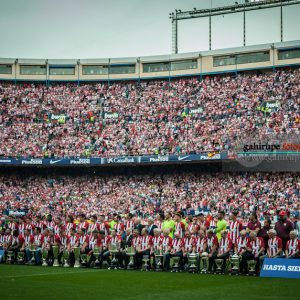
[(265, 56)]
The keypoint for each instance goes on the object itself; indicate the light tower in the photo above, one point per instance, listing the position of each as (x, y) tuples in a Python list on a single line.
[(248, 5)]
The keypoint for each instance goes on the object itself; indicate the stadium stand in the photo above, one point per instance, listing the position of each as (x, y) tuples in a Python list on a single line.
[(183, 116), (147, 195), (213, 222)]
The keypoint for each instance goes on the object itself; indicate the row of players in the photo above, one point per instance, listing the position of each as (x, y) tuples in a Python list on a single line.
[(99, 247), (176, 223)]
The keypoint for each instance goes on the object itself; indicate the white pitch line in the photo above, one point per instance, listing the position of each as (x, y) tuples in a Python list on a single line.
[(54, 273)]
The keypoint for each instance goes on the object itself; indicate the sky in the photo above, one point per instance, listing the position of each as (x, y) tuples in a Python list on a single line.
[(129, 28)]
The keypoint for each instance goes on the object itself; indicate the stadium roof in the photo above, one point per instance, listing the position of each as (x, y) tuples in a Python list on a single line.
[(169, 57)]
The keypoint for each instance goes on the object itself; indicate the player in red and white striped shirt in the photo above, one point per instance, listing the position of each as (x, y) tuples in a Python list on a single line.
[(115, 239), (225, 245), (188, 246), (54, 240), (234, 227), (159, 221), (40, 223), (16, 244), (193, 226), (103, 226), (38, 242), (254, 249), (293, 246), (93, 226), (73, 241), (129, 224), (46, 246), (61, 241), (119, 226), (83, 239), (179, 226), (46, 243), (203, 223), (22, 226), (176, 250), (112, 241), (212, 247), (144, 247), (12, 225), (38, 238), (189, 223), (189, 243), (135, 239), (156, 240), (49, 223), (7, 239), (156, 244), (274, 244), (28, 241), (83, 223), (29, 225), (255, 245), (213, 223), (166, 241), (94, 241), (241, 243), (69, 224), (105, 244), (58, 224), (177, 244), (201, 243)]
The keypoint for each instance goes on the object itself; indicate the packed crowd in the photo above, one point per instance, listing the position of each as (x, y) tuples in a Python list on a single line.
[(150, 117), (148, 195), (195, 243), (214, 216)]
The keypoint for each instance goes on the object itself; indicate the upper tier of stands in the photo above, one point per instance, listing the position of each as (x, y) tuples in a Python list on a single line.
[(181, 116)]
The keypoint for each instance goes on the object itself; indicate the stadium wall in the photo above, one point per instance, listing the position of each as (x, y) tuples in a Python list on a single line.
[(164, 66)]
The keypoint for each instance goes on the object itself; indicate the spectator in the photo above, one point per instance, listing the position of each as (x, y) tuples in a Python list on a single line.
[(283, 228)]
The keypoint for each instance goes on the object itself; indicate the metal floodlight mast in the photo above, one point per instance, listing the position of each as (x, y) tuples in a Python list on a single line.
[(179, 15)]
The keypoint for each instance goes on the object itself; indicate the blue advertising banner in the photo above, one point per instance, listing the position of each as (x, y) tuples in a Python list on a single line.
[(10, 212), (118, 160), (121, 160), (281, 267)]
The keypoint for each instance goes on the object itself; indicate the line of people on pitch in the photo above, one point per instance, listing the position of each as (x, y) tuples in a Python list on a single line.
[(203, 244)]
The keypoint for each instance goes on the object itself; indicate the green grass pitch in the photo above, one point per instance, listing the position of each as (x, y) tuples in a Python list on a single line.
[(29, 282)]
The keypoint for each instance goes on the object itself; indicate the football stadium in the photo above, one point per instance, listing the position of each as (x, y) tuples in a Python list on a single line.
[(167, 169)]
